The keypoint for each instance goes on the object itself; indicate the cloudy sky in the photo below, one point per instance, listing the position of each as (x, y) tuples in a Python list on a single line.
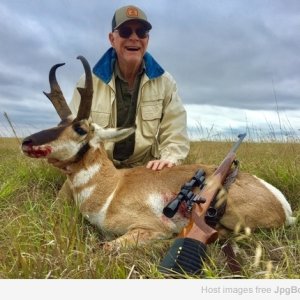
[(236, 63)]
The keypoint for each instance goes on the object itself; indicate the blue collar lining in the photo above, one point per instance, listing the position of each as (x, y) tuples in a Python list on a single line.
[(104, 67)]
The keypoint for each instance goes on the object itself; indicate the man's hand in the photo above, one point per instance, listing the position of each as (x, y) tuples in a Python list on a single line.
[(157, 165)]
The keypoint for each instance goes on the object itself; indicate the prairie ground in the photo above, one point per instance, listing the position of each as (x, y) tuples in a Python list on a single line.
[(41, 237)]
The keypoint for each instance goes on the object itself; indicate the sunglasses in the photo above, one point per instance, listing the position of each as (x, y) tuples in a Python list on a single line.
[(125, 32)]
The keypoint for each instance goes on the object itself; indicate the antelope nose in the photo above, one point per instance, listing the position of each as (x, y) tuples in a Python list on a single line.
[(27, 142)]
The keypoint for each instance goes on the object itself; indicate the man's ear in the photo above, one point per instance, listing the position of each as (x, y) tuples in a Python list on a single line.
[(111, 38)]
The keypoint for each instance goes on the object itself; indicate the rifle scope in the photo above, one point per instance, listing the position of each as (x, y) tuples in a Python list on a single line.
[(185, 194), (171, 209)]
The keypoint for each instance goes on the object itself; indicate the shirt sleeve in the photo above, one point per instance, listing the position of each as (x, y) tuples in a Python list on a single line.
[(174, 144)]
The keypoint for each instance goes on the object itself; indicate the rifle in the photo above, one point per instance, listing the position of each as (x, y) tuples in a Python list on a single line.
[(188, 251)]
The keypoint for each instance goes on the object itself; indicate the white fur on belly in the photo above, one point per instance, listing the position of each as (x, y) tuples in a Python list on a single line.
[(156, 203), (98, 218), (282, 200)]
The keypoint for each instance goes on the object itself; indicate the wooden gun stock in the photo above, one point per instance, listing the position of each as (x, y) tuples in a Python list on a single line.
[(188, 251)]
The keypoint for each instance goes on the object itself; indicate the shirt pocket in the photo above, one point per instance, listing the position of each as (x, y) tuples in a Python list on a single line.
[(151, 115), (101, 118)]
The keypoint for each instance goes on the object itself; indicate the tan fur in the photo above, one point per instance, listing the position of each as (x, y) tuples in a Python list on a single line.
[(127, 204), (251, 205), (129, 219)]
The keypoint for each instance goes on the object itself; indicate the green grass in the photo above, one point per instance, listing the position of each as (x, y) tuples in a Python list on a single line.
[(44, 238)]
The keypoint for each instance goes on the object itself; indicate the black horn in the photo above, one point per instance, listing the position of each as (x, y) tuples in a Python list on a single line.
[(86, 93), (56, 96)]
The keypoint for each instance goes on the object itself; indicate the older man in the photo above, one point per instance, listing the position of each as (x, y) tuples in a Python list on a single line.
[(131, 88)]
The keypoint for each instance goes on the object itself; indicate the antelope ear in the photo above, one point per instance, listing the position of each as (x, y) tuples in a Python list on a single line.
[(111, 134)]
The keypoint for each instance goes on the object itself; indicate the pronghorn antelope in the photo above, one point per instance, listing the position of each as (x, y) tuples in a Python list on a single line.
[(127, 204)]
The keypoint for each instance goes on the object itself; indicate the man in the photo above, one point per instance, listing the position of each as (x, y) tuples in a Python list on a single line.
[(131, 88)]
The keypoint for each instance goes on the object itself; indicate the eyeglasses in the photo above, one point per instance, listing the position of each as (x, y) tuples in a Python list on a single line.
[(125, 32)]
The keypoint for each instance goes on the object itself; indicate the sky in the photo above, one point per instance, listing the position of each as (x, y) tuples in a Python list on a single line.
[(236, 63)]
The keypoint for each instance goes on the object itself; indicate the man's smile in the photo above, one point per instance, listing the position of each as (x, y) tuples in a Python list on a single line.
[(132, 48)]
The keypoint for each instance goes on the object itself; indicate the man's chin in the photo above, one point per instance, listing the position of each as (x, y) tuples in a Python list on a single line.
[(133, 58)]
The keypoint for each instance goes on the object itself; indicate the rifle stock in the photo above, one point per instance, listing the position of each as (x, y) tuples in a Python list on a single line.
[(188, 251)]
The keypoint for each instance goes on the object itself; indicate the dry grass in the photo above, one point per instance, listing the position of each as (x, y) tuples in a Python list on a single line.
[(44, 238)]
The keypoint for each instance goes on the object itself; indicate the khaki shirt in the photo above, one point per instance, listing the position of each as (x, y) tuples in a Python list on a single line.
[(161, 125)]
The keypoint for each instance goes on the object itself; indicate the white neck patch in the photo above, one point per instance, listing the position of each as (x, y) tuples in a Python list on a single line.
[(84, 176)]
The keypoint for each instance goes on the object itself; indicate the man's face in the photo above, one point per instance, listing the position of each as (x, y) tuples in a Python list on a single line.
[(130, 42)]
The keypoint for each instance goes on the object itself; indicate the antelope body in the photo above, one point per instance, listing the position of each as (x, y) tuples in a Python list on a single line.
[(127, 204)]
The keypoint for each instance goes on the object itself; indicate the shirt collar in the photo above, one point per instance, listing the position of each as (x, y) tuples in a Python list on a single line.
[(105, 66)]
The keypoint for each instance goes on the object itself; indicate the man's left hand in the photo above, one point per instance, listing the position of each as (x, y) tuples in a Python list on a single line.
[(157, 165)]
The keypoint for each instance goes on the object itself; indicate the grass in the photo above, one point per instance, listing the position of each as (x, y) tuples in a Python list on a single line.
[(44, 238)]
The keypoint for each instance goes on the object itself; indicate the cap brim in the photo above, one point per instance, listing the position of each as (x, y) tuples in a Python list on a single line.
[(145, 23)]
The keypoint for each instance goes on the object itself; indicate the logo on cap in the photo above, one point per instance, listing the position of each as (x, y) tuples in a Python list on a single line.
[(132, 12)]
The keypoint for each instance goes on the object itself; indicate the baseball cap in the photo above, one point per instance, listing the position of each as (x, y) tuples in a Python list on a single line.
[(128, 13)]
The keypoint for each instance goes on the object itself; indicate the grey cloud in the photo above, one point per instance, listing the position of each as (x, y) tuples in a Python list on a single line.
[(239, 54), (235, 60)]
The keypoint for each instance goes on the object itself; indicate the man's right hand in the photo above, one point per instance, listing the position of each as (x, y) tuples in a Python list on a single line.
[(157, 165)]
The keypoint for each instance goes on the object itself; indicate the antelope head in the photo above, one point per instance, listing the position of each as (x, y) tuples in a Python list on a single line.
[(73, 135)]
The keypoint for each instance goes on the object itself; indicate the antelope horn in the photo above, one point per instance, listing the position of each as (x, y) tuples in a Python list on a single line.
[(56, 96), (86, 93)]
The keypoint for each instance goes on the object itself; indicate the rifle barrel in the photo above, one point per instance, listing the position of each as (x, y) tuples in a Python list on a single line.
[(237, 144)]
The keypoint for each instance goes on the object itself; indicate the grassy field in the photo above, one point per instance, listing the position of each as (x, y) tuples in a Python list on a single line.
[(44, 238)]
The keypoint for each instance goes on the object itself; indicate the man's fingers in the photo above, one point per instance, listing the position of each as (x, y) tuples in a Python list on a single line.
[(159, 164)]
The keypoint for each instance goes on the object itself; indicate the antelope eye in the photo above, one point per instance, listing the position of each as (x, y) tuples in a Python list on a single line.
[(80, 130)]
